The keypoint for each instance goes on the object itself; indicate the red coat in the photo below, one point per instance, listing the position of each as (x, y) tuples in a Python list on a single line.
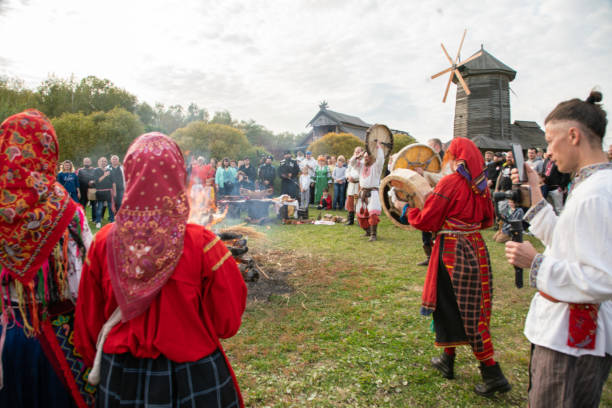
[(326, 203), (202, 301)]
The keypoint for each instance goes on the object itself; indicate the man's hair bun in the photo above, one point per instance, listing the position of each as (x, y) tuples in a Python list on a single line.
[(594, 97)]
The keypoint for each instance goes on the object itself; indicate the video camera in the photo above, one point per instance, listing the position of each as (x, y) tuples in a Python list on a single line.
[(521, 195)]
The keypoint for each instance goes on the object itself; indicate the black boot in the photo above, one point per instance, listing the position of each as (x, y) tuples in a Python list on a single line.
[(351, 218), (427, 249), (445, 364), (494, 381), (367, 231), (372, 233)]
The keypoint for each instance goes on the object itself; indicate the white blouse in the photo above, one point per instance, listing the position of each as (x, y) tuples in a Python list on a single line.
[(576, 266)]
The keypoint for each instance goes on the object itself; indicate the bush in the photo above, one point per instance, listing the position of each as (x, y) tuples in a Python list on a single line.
[(95, 135), (214, 140), (400, 140), (336, 144)]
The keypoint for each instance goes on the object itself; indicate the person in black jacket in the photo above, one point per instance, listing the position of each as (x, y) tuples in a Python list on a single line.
[(250, 174), (86, 176), (267, 173), (288, 171), (555, 184)]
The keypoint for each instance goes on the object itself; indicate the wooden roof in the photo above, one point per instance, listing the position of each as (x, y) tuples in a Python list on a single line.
[(486, 64), (338, 119)]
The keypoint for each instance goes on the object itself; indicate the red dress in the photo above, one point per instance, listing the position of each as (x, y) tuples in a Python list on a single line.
[(202, 301), (458, 284)]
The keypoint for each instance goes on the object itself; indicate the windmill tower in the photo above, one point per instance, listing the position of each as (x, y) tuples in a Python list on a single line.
[(483, 114)]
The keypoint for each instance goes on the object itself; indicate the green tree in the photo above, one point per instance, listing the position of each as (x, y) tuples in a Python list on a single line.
[(213, 140), (76, 135), (15, 98), (94, 94), (400, 140), (57, 96), (147, 116), (335, 144), (95, 135), (223, 118)]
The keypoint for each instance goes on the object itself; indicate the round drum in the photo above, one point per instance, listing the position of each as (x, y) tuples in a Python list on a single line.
[(418, 155), (379, 133), (408, 186)]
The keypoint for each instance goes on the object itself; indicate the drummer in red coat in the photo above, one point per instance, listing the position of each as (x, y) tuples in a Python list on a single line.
[(458, 286), (167, 291)]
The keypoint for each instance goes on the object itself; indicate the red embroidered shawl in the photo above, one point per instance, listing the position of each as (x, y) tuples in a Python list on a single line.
[(35, 210), (146, 241)]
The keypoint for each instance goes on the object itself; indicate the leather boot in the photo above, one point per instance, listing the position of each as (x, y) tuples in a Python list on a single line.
[(372, 233), (367, 231), (351, 218), (445, 364), (494, 381), (427, 249)]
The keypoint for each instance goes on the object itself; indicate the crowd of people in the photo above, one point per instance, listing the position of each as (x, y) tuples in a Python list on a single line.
[(115, 304)]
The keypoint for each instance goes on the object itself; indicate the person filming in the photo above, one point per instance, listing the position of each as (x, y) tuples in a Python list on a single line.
[(569, 322)]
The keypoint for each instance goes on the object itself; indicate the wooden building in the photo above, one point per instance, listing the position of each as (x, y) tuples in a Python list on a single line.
[(327, 121), (484, 115)]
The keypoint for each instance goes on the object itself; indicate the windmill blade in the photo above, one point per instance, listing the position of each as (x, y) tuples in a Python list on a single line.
[(446, 53), (473, 57), (450, 79), (442, 72), (460, 45), (465, 87)]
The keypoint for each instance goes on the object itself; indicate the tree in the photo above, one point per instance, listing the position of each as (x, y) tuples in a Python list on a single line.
[(400, 140), (56, 96), (335, 144), (213, 140), (95, 135), (116, 130), (147, 116), (223, 118), (194, 114), (15, 98), (95, 94), (76, 136)]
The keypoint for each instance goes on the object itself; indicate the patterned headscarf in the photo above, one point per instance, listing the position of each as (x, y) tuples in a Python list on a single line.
[(470, 163), (146, 241), (35, 210)]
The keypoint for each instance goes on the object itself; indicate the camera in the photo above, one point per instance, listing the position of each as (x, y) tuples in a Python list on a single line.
[(521, 195)]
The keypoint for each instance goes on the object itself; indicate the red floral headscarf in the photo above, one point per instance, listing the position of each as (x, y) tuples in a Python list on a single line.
[(35, 210), (470, 163), (146, 241)]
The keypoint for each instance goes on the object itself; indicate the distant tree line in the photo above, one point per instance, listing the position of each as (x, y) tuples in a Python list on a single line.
[(94, 117)]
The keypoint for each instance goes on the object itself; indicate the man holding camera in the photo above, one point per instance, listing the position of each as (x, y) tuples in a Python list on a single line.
[(570, 318)]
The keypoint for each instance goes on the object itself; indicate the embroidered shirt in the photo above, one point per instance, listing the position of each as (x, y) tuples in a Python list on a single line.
[(576, 266)]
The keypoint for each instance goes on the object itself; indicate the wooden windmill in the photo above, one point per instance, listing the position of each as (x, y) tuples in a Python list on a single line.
[(454, 68)]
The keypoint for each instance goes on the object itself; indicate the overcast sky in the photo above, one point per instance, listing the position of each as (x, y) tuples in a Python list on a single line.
[(274, 61)]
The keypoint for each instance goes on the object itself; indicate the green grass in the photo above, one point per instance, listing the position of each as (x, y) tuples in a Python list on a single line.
[(351, 334)]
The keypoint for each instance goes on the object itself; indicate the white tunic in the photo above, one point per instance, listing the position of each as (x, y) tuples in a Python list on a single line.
[(369, 177), (352, 172), (576, 266)]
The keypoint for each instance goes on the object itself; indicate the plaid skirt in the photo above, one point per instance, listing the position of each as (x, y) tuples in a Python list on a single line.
[(128, 381)]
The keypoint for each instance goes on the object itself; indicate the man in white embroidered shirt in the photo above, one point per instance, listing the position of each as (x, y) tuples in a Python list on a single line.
[(570, 318)]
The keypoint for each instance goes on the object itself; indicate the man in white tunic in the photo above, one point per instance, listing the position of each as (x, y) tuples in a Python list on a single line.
[(368, 205), (570, 318), (352, 191)]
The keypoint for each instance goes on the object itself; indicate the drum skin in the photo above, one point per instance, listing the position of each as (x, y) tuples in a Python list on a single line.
[(379, 133), (418, 155), (409, 186)]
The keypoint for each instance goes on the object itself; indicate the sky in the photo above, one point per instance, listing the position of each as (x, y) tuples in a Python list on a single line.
[(275, 61)]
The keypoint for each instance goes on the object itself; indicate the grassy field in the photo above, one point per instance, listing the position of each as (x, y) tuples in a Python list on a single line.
[(351, 335)]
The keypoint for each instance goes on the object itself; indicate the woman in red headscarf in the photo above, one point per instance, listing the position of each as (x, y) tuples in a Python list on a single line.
[(167, 291), (43, 240), (458, 286)]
